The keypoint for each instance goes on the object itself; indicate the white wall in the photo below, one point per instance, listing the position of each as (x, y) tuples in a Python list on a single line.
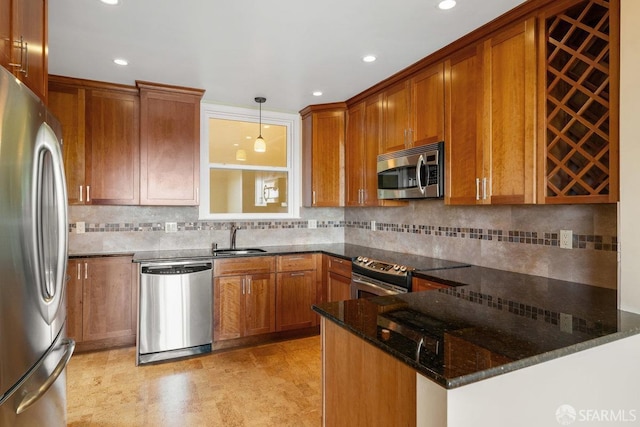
[(600, 382), (629, 228)]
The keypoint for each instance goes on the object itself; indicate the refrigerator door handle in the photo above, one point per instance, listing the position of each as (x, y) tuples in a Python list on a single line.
[(32, 397), (49, 198)]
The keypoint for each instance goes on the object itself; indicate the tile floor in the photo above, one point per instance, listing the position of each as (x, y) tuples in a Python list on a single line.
[(270, 385)]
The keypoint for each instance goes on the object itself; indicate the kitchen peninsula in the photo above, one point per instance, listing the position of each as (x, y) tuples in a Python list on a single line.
[(460, 356)]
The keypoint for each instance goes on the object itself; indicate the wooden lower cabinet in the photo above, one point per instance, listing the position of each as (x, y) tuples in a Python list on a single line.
[(296, 293), (362, 385), (297, 289), (338, 278), (419, 284), (102, 302), (243, 304)]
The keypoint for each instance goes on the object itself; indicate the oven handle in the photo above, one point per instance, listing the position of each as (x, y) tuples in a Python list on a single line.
[(386, 291)]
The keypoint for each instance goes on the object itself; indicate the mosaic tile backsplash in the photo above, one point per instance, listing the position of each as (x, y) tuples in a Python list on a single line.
[(523, 239)]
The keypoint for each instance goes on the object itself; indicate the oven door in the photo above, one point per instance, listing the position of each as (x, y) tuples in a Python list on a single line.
[(366, 287)]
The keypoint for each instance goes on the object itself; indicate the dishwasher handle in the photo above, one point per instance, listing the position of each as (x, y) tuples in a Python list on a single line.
[(176, 269)]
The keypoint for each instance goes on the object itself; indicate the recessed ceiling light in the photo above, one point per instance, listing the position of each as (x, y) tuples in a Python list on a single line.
[(317, 93), (121, 61), (248, 137), (110, 2), (369, 58), (447, 4)]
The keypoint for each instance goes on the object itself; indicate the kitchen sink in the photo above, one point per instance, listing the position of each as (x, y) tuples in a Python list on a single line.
[(232, 252)]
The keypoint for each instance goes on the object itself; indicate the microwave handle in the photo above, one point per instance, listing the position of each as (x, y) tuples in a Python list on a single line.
[(419, 165)]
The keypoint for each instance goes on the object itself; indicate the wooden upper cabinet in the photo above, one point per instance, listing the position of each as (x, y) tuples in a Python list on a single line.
[(354, 153), (23, 42), (364, 130), (427, 106), (463, 147), (396, 133), (68, 104), (509, 115), (579, 102), (169, 144), (100, 132), (490, 120), (323, 136), (5, 33), (113, 151), (413, 111)]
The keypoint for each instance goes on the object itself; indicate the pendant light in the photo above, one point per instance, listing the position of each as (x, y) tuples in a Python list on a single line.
[(241, 155), (260, 146)]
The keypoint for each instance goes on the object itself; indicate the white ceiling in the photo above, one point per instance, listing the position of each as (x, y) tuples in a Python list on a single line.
[(239, 49)]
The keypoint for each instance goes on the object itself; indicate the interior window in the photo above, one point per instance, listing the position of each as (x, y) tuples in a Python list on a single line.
[(238, 178)]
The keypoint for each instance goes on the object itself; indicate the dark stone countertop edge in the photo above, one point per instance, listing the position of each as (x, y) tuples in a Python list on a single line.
[(474, 377), (179, 255)]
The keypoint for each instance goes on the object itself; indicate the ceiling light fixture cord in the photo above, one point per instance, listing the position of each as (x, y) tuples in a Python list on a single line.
[(260, 146)]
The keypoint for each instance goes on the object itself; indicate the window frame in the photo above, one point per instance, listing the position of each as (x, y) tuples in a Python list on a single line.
[(292, 122)]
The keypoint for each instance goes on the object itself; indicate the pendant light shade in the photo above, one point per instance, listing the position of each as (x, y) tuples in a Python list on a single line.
[(260, 146), (241, 155)]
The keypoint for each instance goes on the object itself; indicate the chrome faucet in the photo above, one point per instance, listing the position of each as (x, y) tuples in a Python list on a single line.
[(234, 231)]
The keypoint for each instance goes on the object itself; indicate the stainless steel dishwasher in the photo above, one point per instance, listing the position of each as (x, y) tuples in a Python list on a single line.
[(174, 313)]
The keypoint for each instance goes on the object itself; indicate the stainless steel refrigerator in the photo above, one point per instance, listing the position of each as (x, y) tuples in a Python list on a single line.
[(34, 350)]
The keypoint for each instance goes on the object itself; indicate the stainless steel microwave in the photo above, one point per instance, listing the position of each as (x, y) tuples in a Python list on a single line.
[(414, 173)]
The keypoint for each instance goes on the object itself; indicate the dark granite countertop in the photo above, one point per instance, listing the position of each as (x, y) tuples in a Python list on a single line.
[(340, 250), (490, 323)]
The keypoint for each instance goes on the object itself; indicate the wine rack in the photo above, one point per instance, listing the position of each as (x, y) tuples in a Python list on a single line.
[(581, 104)]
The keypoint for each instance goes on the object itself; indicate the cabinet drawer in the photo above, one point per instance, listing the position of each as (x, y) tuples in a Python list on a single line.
[(339, 266), (297, 262), (236, 266), (420, 284)]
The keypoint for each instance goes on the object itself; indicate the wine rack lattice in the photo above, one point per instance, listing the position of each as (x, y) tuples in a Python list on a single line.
[(577, 101)]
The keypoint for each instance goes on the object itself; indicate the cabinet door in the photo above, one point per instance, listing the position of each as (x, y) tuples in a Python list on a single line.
[(169, 146), (260, 304), (354, 155), (427, 99), (68, 104), (113, 158), (463, 148), (372, 133), (109, 298), (295, 294), (75, 272), (338, 287), (396, 135), (510, 87), (30, 24), (5, 33), (328, 158), (228, 310)]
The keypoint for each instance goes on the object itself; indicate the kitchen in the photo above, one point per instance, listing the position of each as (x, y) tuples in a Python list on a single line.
[(110, 228)]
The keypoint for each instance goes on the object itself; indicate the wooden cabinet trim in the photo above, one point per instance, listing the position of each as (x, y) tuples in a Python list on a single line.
[(243, 265), (297, 262)]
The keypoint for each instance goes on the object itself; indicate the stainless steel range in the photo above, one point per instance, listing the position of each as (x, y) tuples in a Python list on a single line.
[(370, 277), (373, 277)]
